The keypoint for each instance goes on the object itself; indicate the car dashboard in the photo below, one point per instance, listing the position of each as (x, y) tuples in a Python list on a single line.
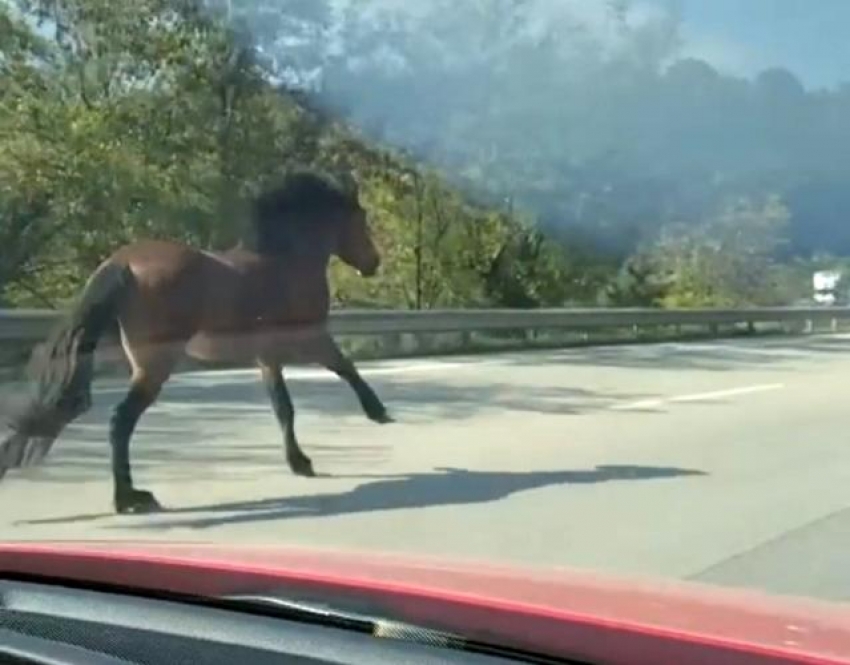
[(46, 623)]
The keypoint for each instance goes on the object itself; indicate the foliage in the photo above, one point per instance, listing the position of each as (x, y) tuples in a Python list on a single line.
[(640, 282), (593, 120), (123, 120), (729, 261)]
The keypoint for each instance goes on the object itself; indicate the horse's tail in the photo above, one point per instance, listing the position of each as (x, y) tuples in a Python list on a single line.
[(63, 370)]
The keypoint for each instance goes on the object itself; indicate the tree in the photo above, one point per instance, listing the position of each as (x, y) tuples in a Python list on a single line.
[(158, 119), (731, 260), (436, 246), (640, 282), (131, 120)]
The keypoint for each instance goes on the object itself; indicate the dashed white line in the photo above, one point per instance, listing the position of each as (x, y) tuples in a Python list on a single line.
[(211, 377), (322, 373), (696, 397), (316, 373)]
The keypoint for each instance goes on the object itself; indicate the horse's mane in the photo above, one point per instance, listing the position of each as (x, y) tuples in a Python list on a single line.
[(303, 199)]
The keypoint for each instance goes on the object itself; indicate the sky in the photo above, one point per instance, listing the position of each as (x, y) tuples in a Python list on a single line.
[(741, 37), (809, 37)]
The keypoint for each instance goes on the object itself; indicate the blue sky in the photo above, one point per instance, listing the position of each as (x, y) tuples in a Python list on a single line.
[(809, 37)]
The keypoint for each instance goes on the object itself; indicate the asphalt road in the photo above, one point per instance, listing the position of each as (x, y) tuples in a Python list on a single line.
[(727, 463)]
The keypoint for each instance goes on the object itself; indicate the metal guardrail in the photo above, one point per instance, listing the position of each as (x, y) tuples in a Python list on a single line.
[(26, 324), (34, 325), (433, 321)]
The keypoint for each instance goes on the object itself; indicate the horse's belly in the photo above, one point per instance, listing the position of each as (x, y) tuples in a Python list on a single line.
[(221, 348), (285, 344)]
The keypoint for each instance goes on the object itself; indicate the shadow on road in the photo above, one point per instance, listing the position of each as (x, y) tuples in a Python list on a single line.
[(203, 419), (219, 421), (419, 399), (445, 487)]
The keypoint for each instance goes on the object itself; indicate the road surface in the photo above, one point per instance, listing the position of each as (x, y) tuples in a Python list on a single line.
[(723, 462)]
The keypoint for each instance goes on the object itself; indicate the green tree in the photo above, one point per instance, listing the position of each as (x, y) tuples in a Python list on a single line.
[(731, 260), (132, 120), (161, 119), (640, 282)]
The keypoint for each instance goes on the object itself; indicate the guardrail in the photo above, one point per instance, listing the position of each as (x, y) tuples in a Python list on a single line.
[(436, 321), (34, 325), (373, 334)]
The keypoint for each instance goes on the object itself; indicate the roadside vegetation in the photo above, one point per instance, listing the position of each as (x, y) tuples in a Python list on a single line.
[(126, 119)]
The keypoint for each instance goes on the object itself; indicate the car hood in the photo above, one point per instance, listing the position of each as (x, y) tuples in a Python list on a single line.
[(559, 611)]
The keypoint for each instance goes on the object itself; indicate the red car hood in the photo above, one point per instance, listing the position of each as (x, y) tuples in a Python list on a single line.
[(568, 613)]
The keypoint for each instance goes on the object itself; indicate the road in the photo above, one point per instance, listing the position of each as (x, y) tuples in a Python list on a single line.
[(725, 462)]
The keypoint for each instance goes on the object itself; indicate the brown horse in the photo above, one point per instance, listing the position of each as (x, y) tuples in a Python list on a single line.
[(264, 302)]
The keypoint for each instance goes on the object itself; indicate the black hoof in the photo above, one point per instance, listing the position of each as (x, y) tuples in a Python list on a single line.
[(136, 502), (382, 418), (301, 465)]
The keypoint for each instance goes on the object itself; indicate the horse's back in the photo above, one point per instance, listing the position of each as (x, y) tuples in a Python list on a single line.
[(158, 258), (209, 304), (233, 305), (172, 286)]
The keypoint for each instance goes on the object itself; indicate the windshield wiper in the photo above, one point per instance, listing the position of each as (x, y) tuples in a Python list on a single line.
[(374, 625), (308, 611)]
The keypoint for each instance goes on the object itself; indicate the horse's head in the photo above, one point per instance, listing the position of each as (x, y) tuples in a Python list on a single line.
[(354, 243), (310, 212)]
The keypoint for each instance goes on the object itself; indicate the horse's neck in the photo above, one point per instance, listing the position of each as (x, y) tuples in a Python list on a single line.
[(304, 286), (302, 278), (311, 264), (282, 286)]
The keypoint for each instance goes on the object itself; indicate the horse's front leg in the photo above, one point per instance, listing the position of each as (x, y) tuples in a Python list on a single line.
[(281, 401), (328, 354)]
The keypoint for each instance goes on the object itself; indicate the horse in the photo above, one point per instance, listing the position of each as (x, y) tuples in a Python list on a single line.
[(265, 302)]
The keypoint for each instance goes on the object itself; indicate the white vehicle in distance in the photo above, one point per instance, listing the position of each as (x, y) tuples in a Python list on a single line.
[(825, 283)]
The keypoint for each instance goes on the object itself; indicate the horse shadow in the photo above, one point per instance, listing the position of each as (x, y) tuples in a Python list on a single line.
[(444, 486)]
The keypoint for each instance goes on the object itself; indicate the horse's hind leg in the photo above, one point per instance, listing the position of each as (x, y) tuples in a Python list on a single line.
[(327, 353), (285, 413), (150, 370), (127, 498)]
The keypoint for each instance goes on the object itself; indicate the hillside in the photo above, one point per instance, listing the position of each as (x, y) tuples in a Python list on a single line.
[(161, 118)]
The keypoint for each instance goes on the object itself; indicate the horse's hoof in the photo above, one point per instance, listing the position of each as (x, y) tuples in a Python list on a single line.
[(136, 502), (382, 418), (301, 466)]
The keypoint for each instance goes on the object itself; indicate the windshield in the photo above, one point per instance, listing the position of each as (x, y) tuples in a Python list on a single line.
[(538, 283)]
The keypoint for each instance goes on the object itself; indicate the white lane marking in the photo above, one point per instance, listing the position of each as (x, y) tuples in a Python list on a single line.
[(430, 367), (210, 378), (378, 367), (696, 397), (321, 373), (732, 392)]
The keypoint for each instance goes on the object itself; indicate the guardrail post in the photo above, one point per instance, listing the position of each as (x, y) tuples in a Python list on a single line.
[(393, 342), (424, 342), (833, 324), (809, 326)]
